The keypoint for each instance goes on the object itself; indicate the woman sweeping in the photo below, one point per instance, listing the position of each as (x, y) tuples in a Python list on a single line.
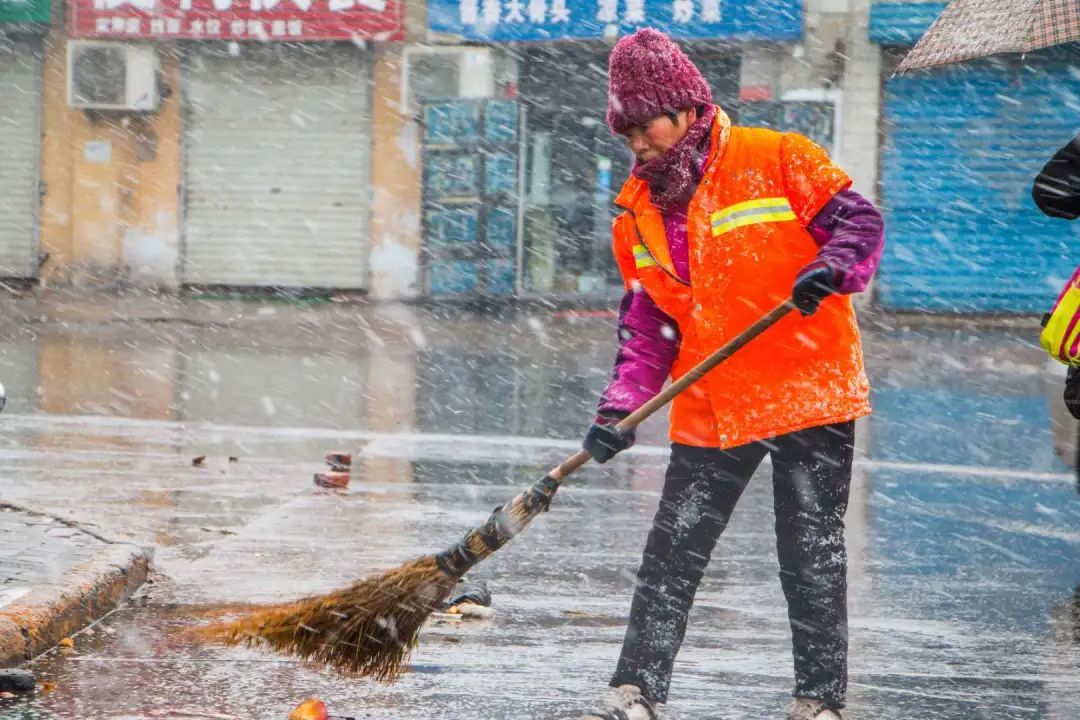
[(719, 224)]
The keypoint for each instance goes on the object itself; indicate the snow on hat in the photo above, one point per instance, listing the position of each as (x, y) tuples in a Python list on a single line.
[(649, 75)]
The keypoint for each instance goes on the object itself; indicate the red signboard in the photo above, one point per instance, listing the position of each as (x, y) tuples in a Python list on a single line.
[(258, 20)]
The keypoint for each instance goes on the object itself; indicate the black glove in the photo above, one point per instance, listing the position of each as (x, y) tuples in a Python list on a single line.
[(811, 287), (603, 441)]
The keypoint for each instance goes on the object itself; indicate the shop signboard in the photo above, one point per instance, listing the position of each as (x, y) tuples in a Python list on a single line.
[(538, 20), (257, 20), (25, 11)]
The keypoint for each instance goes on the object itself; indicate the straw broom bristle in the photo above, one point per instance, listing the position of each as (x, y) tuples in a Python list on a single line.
[(366, 630)]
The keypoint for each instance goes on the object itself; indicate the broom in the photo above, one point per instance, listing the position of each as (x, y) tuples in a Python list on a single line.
[(370, 628)]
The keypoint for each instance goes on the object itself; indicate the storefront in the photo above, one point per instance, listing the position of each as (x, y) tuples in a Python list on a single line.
[(961, 147), (570, 166), (277, 160), (22, 24), (277, 134)]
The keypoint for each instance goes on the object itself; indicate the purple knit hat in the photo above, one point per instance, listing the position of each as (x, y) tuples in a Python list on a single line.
[(648, 75)]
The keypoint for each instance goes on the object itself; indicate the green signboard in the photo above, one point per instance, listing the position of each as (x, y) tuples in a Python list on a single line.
[(25, 11)]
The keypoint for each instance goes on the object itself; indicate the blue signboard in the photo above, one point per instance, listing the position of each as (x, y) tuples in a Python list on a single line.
[(524, 20), (502, 231), (453, 226), (451, 122), (470, 196)]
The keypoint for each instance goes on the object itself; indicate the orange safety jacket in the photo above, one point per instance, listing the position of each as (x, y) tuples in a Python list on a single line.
[(746, 229)]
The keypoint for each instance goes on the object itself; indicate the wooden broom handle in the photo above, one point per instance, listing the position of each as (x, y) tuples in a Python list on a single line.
[(665, 396)]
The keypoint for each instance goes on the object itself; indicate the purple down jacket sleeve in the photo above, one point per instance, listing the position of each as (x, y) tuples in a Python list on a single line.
[(851, 234), (648, 342)]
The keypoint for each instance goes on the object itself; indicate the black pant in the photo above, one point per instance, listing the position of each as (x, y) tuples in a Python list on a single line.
[(1072, 402), (811, 479), (1072, 391)]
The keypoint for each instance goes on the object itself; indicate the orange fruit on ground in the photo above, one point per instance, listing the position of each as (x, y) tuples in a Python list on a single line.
[(310, 710)]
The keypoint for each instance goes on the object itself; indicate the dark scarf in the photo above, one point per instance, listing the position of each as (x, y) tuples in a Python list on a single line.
[(673, 176)]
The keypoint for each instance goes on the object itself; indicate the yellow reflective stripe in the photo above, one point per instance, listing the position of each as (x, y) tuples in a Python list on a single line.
[(750, 212), (743, 220), (761, 206), (642, 257), (779, 203)]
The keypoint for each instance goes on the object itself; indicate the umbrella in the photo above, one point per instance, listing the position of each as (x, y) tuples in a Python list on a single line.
[(970, 29)]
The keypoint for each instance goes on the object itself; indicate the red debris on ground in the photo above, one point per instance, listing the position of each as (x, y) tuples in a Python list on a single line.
[(340, 467), (332, 479), (339, 461)]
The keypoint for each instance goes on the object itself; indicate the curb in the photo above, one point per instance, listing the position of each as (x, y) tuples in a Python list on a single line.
[(49, 613)]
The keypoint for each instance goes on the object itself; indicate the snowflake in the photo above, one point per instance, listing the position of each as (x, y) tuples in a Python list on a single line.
[(682, 11), (607, 11), (470, 12)]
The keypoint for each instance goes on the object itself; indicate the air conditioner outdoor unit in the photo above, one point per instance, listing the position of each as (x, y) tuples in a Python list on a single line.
[(112, 76), (447, 71)]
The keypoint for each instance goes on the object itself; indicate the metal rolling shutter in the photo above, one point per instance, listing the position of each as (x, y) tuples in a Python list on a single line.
[(20, 100), (963, 146), (277, 166)]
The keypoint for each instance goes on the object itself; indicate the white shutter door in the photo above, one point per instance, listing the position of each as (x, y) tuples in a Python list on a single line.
[(277, 166), (20, 100)]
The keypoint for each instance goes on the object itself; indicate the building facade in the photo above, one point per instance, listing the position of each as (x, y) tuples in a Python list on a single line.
[(786, 64), (458, 149), (960, 148)]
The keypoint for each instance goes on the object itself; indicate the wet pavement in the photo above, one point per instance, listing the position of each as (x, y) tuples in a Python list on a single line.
[(36, 550), (963, 528)]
